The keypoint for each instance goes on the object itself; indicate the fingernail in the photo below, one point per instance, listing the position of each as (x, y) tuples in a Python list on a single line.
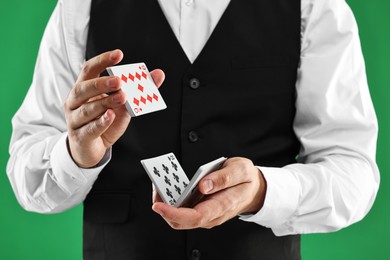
[(114, 55), (207, 186), (105, 116), (112, 82)]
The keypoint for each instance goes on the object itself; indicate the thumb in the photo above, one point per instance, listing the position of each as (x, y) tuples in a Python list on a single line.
[(158, 77)]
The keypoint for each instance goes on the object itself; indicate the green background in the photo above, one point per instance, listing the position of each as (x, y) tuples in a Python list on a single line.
[(25, 235)]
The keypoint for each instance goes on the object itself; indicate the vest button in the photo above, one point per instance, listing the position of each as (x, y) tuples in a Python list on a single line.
[(195, 254), (194, 83), (193, 137)]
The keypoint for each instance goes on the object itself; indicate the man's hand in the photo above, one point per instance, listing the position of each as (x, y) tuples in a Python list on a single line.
[(96, 120), (239, 187)]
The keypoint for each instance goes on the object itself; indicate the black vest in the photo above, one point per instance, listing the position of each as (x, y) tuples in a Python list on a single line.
[(242, 104)]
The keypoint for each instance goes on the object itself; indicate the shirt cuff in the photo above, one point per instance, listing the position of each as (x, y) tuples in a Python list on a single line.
[(69, 176), (281, 201)]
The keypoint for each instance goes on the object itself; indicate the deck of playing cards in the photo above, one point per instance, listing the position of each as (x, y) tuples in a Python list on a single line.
[(171, 181), (142, 94)]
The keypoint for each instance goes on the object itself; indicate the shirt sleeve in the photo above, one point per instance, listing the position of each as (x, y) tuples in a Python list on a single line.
[(336, 179), (42, 173)]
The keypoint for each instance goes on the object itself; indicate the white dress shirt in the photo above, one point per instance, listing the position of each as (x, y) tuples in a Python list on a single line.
[(333, 185)]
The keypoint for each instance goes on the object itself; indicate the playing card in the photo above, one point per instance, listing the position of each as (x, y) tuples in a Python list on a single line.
[(171, 181), (142, 94), (167, 176)]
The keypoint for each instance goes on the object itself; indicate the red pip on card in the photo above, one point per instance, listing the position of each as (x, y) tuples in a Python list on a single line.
[(142, 94)]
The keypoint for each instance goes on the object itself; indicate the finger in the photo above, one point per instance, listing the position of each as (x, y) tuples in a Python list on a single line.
[(96, 128), (156, 197), (91, 110), (233, 201), (96, 65), (85, 90), (216, 222), (203, 215), (221, 206), (212, 208), (178, 218), (231, 175), (158, 77)]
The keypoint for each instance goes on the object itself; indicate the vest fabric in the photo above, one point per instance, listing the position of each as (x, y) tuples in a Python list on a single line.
[(236, 99)]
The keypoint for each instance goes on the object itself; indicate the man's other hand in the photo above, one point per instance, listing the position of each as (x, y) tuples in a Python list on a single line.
[(237, 188), (96, 120)]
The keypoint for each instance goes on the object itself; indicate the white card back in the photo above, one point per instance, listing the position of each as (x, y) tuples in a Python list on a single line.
[(191, 195)]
